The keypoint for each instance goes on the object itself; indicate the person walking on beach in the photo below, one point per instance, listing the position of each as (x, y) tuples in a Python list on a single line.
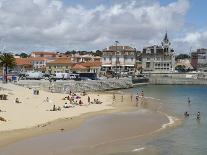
[(142, 94), (131, 97), (89, 99), (137, 100), (122, 98), (114, 97)]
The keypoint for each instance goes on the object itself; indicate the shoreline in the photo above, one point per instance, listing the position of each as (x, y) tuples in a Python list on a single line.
[(54, 128), (67, 124)]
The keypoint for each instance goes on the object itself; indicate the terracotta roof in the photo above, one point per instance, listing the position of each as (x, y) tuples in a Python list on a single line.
[(60, 61), (92, 64), (79, 66), (37, 58), (28, 61), (23, 61), (44, 53)]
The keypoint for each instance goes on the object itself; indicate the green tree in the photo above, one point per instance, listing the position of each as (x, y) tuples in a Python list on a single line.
[(182, 56), (180, 68), (7, 61), (24, 55)]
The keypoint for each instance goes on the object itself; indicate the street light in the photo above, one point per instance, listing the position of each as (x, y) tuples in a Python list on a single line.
[(116, 42)]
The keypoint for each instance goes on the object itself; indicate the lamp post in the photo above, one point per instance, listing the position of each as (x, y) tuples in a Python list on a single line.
[(116, 42)]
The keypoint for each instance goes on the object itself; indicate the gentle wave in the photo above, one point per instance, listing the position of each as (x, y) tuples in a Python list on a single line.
[(171, 121), (138, 149), (153, 98)]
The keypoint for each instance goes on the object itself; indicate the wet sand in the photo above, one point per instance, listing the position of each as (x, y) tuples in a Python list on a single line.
[(93, 135)]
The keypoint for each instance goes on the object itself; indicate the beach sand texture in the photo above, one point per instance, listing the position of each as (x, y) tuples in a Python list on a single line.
[(34, 110)]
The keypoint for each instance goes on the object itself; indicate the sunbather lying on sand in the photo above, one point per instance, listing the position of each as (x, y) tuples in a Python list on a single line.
[(2, 119)]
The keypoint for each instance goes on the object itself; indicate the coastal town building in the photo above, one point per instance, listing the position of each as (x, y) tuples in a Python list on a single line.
[(65, 65), (59, 65), (159, 59), (92, 66), (199, 59), (23, 65), (119, 59), (48, 55), (186, 63), (77, 58), (31, 63)]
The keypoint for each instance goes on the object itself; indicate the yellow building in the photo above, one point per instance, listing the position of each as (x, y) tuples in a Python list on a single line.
[(59, 65)]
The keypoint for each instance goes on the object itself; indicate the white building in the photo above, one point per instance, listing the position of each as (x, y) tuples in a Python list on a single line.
[(119, 59), (159, 59)]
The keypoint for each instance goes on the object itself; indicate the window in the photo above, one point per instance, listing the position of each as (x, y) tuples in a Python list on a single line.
[(132, 59), (110, 58), (148, 59), (147, 64), (148, 51)]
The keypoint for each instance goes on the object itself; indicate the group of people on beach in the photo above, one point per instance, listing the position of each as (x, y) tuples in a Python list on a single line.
[(74, 100), (186, 114), (139, 97)]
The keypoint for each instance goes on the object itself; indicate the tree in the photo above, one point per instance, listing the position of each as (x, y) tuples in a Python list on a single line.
[(182, 56), (180, 68), (7, 61), (24, 55)]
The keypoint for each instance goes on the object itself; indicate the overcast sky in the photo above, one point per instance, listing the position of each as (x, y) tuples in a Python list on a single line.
[(60, 25)]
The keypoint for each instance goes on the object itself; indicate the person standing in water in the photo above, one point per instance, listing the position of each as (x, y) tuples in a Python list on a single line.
[(137, 100), (189, 101), (198, 116)]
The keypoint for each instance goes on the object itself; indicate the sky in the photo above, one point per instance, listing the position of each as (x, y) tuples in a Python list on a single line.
[(61, 25)]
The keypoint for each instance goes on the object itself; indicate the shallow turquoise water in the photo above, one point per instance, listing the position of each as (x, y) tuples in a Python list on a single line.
[(191, 137)]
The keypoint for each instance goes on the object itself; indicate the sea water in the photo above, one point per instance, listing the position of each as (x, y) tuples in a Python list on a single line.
[(191, 137)]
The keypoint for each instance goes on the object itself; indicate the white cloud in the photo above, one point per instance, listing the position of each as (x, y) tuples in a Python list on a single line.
[(50, 24), (193, 40)]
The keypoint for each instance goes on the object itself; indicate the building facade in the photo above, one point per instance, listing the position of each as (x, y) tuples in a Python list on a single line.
[(158, 59), (119, 59), (199, 59), (48, 55), (59, 65), (31, 63)]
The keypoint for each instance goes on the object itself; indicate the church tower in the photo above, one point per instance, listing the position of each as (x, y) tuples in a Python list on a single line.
[(166, 44)]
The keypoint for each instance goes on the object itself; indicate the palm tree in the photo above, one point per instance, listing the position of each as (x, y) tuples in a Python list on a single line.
[(8, 61)]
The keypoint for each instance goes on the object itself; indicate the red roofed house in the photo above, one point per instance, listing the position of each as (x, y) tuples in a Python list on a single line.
[(49, 55), (93, 66), (79, 68), (59, 65), (23, 64), (32, 63)]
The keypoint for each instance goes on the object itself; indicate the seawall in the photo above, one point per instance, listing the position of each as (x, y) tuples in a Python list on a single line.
[(64, 86), (178, 81)]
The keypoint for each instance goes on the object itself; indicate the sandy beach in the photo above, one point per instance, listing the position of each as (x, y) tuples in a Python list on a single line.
[(32, 117), (34, 109)]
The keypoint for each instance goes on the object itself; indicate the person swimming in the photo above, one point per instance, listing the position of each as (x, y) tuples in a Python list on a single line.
[(198, 116), (186, 114)]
